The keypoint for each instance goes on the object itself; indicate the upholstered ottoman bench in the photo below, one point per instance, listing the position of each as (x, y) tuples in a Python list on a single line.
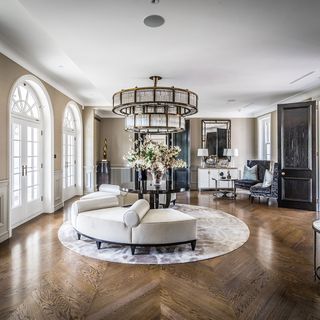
[(103, 220)]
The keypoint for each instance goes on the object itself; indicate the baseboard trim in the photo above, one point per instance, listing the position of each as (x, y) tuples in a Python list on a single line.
[(5, 236), (26, 220), (58, 206)]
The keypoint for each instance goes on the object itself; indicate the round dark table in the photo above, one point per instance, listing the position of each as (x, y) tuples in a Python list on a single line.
[(147, 187)]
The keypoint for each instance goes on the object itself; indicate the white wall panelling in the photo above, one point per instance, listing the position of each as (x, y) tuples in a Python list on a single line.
[(89, 179), (5, 232), (58, 202)]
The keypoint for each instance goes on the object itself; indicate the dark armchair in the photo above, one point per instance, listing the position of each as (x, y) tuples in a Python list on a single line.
[(247, 184), (270, 192)]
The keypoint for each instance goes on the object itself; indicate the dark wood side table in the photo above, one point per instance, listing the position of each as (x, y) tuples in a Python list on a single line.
[(316, 229)]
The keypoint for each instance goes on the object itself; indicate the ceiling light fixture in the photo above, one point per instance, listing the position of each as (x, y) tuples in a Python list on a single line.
[(155, 109), (153, 21)]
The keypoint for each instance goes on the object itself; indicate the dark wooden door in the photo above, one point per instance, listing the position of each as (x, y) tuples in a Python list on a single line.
[(297, 155)]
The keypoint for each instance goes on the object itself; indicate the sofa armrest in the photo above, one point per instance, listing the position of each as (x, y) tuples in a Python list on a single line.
[(135, 213), (86, 205)]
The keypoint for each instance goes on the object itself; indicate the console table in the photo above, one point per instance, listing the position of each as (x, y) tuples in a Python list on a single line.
[(209, 178)]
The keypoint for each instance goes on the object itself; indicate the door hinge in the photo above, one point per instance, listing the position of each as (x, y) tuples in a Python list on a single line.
[(41, 198), (75, 138), (75, 185), (41, 132), (41, 166), (75, 161)]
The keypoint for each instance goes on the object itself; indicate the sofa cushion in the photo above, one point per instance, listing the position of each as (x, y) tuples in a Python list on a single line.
[(111, 188), (250, 173), (165, 226), (104, 224), (135, 213), (259, 190), (97, 203), (267, 180), (97, 194), (245, 184)]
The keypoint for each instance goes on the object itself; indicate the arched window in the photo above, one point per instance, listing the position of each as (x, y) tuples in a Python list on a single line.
[(26, 154), (69, 153), (24, 102)]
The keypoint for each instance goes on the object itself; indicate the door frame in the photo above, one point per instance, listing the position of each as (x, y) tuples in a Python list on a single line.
[(314, 153), (79, 150), (48, 142)]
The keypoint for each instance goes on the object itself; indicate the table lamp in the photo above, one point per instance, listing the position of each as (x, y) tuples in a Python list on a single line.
[(203, 153)]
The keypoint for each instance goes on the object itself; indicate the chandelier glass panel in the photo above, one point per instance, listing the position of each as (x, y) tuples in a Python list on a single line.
[(155, 109)]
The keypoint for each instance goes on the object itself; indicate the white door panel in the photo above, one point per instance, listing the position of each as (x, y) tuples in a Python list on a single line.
[(26, 171)]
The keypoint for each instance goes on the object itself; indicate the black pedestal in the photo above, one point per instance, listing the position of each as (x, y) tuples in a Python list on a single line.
[(103, 173)]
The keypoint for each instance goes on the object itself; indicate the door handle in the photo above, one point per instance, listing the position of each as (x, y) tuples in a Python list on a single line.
[(283, 173), (24, 170)]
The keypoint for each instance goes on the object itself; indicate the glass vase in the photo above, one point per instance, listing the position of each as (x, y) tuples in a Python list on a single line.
[(157, 177)]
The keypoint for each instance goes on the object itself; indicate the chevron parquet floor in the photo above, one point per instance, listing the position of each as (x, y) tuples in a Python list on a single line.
[(270, 277)]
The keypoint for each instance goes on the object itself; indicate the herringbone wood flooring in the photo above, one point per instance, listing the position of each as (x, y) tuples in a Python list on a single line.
[(270, 277)]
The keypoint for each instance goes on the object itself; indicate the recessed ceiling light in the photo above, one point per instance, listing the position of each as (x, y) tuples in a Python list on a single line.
[(60, 66), (231, 100), (153, 21)]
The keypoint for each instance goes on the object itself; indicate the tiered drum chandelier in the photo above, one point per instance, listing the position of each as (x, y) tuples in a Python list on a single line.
[(155, 109)]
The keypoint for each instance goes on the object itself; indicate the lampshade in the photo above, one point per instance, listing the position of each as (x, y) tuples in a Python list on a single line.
[(227, 152), (203, 152), (231, 152), (236, 152)]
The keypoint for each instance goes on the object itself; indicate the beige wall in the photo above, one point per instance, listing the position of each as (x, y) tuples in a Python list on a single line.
[(117, 138), (9, 74), (243, 134), (97, 145), (274, 136)]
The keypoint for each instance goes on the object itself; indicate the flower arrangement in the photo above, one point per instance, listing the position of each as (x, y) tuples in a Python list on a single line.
[(154, 157)]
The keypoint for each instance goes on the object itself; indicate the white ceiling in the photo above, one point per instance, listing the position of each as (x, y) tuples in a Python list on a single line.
[(249, 51)]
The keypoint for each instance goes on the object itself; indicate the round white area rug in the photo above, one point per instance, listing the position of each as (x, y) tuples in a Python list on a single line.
[(218, 233)]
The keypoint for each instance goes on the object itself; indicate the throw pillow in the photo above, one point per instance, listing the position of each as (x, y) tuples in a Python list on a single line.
[(267, 181), (250, 173)]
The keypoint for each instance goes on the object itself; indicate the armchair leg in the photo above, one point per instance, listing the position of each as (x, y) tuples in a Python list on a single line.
[(133, 249), (193, 244), (79, 235), (98, 243)]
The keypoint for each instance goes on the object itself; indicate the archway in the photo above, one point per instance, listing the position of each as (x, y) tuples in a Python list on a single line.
[(30, 150), (72, 150)]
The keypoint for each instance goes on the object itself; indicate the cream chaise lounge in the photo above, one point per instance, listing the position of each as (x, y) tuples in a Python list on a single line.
[(105, 190), (103, 220)]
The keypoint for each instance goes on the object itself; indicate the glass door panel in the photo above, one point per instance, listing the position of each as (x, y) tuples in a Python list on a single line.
[(26, 170)]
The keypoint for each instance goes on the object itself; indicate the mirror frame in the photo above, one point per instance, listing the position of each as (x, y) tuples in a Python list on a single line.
[(204, 122)]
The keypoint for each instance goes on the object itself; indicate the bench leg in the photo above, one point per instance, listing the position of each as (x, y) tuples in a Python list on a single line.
[(79, 235), (252, 198), (133, 249), (98, 243), (193, 244)]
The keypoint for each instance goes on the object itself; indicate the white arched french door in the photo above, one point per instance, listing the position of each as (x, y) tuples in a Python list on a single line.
[(26, 155), (69, 177)]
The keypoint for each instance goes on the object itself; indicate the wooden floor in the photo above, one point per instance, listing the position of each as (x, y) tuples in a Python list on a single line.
[(270, 277)]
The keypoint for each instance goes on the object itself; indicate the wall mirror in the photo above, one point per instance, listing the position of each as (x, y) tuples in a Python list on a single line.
[(216, 136)]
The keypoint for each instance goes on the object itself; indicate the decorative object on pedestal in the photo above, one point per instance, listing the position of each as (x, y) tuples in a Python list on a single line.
[(202, 153), (155, 109), (154, 157), (105, 149)]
